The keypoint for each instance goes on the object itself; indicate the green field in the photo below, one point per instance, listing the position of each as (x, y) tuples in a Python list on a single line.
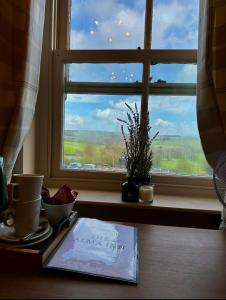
[(171, 154)]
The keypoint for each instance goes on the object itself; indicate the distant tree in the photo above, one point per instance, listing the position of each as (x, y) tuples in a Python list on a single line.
[(88, 153)]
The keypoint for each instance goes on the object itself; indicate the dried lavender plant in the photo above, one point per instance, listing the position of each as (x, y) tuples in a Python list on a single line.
[(144, 165), (138, 152)]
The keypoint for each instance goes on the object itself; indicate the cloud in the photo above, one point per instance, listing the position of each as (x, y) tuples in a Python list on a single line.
[(80, 98), (103, 113), (120, 105), (175, 24), (114, 110), (96, 8), (88, 72), (73, 122), (105, 72), (174, 73), (169, 115), (172, 104), (188, 73), (107, 25), (175, 128), (162, 123), (110, 24)]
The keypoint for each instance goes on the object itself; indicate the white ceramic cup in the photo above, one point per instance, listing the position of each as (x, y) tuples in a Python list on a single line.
[(24, 216), (25, 187), (57, 212)]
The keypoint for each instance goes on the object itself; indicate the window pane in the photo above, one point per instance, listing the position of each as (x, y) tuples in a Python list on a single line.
[(174, 73), (175, 24), (92, 136), (177, 150), (111, 24), (88, 72)]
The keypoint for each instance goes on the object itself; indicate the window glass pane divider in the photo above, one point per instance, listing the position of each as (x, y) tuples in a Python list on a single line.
[(105, 91), (103, 88), (173, 56), (119, 56), (57, 112), (154, 88), (103, 84), (63, 23), (148, 24), (145, 93), (173, 89)]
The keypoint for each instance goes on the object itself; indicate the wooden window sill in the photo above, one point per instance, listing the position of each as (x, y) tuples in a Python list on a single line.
[(109, 198), (165, 210)]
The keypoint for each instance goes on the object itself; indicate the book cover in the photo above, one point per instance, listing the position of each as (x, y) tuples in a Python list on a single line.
[(98, 248)]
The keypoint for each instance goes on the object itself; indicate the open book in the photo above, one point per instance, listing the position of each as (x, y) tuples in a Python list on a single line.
[(98, 248)]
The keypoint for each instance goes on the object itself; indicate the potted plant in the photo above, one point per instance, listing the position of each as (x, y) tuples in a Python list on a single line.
[(144, 164), (138, 153)]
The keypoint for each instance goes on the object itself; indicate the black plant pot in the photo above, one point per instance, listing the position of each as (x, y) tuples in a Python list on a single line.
[(130, 190), (142, 180)]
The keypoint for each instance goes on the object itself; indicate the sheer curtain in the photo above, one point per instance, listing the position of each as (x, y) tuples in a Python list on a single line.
[(21, 32), (211, 87)]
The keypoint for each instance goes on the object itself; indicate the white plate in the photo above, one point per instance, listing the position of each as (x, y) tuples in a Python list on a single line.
[(28, 243), (7, 234), (37, 241)]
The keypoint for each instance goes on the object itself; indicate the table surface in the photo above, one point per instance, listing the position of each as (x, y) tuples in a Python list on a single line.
[(174, 263)]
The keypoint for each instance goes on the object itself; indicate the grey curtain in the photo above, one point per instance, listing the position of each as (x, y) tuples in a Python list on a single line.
[(211, 88)]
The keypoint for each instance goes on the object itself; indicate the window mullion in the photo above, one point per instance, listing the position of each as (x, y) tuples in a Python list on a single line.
[(63, 10), (146, 64), (148, 24), (107, 56), (182, 89), (145, 92), (129, 89), (103, 88)]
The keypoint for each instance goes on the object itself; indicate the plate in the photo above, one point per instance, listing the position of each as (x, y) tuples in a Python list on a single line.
[(37, 241), (28, 243), (7, 234)]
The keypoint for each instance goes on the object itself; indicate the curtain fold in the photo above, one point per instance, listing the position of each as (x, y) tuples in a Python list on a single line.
[(211, 85), (21, 33)]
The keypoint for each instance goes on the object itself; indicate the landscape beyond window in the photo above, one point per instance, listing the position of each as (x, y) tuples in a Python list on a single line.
[(92, 137)]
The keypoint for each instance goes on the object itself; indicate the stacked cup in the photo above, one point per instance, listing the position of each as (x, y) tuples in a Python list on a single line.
[(25, 199)]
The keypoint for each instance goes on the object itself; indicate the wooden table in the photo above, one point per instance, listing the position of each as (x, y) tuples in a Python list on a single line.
[(174, 263)]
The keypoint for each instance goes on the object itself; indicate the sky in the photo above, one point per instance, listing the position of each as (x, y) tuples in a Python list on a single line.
[(119, 24)]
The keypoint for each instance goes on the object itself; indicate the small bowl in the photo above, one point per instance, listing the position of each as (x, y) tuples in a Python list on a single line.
[(57, 212)]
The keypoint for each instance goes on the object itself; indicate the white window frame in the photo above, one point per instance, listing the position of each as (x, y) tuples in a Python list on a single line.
[(52, 89)]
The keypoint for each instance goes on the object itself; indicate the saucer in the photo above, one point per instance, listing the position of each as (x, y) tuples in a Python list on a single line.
[(7, 234), (34, 242)]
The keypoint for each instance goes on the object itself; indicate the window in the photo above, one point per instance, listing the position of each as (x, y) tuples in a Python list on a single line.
[(106, 53)]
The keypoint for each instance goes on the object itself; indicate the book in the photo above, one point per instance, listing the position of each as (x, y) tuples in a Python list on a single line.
[(98, 248)]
